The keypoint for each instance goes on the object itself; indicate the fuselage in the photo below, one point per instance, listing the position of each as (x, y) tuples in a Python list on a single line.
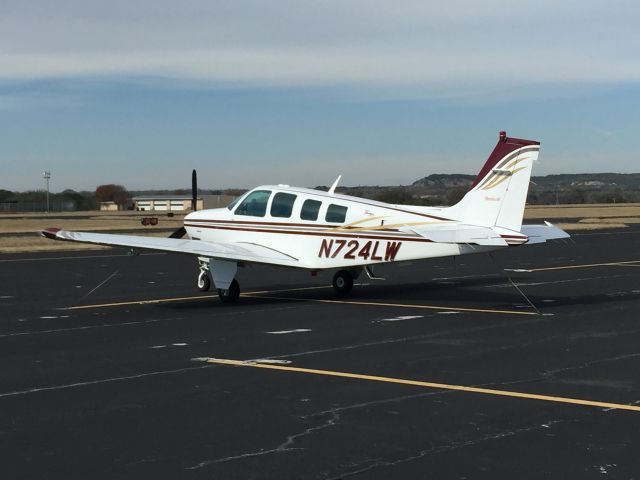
[(323, 230)]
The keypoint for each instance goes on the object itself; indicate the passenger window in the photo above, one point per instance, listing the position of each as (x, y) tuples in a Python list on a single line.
[(336, 213), (255, 204), (310, 209), (282, 204)]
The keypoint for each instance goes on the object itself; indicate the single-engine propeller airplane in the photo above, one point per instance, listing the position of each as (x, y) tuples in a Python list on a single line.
[(317, 230)]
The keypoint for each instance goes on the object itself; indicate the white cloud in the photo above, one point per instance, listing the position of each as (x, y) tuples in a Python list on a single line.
[(431, 48)]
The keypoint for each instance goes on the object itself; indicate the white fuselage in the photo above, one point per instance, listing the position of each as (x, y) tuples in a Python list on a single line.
[(370, 232)]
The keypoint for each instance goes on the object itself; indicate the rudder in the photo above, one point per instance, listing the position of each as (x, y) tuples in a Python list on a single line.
[(498, 194)]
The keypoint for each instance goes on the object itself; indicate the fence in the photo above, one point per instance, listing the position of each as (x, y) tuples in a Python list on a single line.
[(54, 206)]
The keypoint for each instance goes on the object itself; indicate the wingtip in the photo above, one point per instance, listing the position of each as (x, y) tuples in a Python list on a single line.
[(51, 232)]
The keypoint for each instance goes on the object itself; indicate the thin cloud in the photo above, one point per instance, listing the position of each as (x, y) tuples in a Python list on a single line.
[(431, 49)]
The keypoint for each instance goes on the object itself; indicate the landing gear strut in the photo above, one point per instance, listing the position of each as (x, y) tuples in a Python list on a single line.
[(343, 282), (204, 279), (231, 294)]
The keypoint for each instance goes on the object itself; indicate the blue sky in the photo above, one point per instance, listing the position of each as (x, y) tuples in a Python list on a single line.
[(297, 92)]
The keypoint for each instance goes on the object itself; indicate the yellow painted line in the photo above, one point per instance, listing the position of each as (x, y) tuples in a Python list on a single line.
[(589, 265), (139, 302), (299, 289), (400, 305), (180, 299), (418, 383)]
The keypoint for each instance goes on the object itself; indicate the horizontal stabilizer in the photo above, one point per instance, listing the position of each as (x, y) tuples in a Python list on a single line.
[(542, 233), (462, 234)]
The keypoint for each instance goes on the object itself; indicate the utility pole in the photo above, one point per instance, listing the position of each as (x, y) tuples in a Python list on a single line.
[(47, 175)]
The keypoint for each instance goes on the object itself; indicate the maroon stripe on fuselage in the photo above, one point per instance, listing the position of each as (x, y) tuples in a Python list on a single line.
[(315, 234)]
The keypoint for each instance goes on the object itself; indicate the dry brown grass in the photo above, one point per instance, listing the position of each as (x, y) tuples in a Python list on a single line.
[(582, 211), (573, 227), (34, 242), (84, 221), (20, 232), (625, 220)]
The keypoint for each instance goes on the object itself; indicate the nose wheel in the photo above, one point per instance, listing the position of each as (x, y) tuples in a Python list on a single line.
[(342, 282), (204, 281)]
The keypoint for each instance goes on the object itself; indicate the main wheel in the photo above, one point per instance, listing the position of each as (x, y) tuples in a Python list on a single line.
[(342, 282), (204, 281), (230, 295)]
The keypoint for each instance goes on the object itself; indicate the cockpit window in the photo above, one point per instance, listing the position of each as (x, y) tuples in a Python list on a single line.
[(234, 202), (310, 210), (254, 204), (336, 213), (282, 204)]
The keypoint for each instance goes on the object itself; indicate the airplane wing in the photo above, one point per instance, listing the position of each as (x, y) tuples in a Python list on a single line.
[(542, 233), (461, 234), (238, 252)]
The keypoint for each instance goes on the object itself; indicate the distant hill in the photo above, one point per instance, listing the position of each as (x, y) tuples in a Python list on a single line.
[(565, 180)]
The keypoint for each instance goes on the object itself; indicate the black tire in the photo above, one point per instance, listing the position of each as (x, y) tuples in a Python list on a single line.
[(230, 295), (342, 282), (204, 282)]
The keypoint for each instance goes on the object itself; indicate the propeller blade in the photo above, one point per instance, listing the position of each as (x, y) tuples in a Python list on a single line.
[(194, 190), (179, 233)]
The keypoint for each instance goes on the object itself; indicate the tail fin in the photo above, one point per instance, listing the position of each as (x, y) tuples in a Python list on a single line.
[(499, 192)]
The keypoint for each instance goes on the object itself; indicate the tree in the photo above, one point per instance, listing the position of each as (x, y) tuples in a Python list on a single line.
[(112, 193), (5, 195), (395, 196)]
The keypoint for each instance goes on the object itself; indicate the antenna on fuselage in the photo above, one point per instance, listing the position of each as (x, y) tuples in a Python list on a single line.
[(335, 184)]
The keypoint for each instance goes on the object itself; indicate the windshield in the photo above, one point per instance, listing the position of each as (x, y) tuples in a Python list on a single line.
[(254, 204), (234, 202)]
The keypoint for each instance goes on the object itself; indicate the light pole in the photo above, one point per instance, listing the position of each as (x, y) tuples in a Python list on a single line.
[(47, 175)]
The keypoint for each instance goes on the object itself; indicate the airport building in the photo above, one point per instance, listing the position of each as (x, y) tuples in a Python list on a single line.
[(164, 203), (110, 206)]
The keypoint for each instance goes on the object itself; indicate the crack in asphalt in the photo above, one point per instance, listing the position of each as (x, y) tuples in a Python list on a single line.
[(286, 446), (436, 449)]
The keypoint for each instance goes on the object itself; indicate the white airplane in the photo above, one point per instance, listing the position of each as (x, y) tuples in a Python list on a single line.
[(317, 230)]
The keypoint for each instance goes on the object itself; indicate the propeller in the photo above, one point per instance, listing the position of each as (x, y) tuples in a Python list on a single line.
[(194, 190), (181, 232)]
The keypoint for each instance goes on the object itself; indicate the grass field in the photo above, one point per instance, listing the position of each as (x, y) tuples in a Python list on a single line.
[(20, 232)]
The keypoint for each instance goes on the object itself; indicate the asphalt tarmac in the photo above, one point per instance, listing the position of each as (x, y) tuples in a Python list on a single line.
[(116, 367)]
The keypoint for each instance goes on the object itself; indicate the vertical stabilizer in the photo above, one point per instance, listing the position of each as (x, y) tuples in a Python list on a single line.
[(499, 192)]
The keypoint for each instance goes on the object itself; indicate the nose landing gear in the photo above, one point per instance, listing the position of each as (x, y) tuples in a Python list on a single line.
[(204, 279)]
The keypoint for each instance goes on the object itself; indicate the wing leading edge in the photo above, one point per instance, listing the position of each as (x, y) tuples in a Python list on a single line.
[(238, 252)]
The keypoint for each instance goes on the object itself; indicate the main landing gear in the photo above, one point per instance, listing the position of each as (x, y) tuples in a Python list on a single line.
[(343, 282), (219, 275), (231, 294)]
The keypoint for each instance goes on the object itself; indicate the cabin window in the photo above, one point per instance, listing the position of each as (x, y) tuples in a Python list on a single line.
[(336, 213), (254, 204), (282, 204), (310, 209)]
